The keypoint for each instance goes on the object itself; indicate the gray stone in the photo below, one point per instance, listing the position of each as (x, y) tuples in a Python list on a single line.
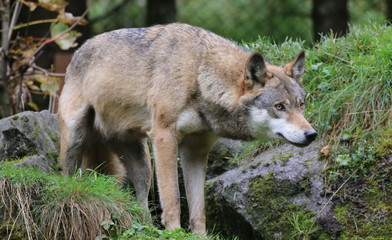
[(33, 136), (42, 163), (221, 152), (296, 179)]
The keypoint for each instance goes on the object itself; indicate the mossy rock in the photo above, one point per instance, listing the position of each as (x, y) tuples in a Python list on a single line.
[(31, 136), (276, 196)]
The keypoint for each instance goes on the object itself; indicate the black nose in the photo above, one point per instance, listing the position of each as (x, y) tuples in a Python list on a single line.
[(310, 135)]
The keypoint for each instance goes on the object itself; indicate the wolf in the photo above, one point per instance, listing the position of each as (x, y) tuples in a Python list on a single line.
[(182, 87)]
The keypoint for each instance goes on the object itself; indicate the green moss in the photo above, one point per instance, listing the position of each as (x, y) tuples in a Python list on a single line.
[(254, 166), (15, 117), (25, 119), (341, 213), (275, 214), (371, 222), (9, 230), (384, 143), (285, 158), (306, 185)]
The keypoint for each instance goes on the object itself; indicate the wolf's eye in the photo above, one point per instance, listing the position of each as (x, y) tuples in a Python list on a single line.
[(280, 107), (302, 104)]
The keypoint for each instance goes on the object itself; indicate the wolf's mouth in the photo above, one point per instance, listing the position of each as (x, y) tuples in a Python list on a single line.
[(304, 144)]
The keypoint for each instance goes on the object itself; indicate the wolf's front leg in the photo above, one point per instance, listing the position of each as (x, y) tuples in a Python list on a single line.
[(165, 153), (194, 149)]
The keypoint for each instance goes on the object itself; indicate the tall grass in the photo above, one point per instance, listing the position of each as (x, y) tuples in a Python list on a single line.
[(351, 81), (57, 207), (348, 80), (349, 91), (36, 205)]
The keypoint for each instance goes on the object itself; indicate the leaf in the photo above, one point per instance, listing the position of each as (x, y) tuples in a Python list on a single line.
[(53, 5), (33, 106), (49, 84), (107, 224), (316, 66), (325, 151), (346, 136), (32, 5), (64, 41), (343, 160), (69, 19)]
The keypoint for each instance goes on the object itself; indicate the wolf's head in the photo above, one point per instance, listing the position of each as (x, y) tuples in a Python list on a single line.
[(278, 111)]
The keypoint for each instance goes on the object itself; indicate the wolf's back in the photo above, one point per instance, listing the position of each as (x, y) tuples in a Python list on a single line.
[(166, 46)]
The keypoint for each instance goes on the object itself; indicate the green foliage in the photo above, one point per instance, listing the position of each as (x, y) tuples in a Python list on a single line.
[(372, 222), (349, 92), (54, 205), (24, 77), (303, 225), (151, 233), (349, 85), (245, 20)]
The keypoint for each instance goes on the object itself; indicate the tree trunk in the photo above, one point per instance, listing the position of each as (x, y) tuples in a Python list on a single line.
[(5, 22), (389, 11), (161, 11), (329, 15)]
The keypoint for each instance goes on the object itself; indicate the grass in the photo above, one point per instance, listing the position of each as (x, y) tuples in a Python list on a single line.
[(349, 87), (37, 205), (53, 206), (349, 101)]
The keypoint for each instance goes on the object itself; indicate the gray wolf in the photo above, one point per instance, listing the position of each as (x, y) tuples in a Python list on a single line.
[(182, 87)]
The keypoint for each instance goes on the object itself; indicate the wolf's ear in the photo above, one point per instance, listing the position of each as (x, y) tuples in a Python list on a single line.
[(295, 68), (255, 68)]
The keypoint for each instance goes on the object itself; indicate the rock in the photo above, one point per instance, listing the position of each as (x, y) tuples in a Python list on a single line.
[(42, 163), (33, 136), (221, 152), (265, 198)]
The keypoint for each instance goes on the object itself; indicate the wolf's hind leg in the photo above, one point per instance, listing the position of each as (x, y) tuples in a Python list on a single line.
[(135, 156), (100, 158), (193, 152)]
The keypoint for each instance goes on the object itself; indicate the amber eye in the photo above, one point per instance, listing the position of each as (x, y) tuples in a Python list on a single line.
[(280, 107)]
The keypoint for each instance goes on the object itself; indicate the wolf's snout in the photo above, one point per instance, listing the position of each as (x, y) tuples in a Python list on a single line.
[(310, 135)]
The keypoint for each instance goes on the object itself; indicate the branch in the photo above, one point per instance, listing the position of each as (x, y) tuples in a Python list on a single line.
[(46, 72), (34, 23), (15, 16), (62, 33)]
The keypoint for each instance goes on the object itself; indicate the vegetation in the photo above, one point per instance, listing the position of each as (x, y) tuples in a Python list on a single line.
[(349, 101), (275, 214), (240, 20), (44, 206), (349, 85), (20, 75)]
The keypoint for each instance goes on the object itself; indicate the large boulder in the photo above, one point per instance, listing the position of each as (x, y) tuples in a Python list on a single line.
[(32, 137), (279, 195), (219, 157)]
